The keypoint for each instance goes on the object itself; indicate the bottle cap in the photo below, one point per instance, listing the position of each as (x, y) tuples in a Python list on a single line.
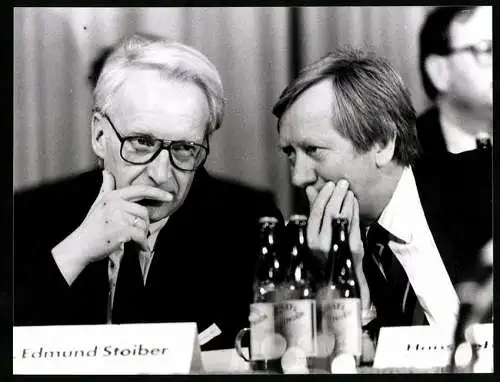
[(298, 218), (483, 140), (340, 220), (482, 136), (268, 219), (343, 364)]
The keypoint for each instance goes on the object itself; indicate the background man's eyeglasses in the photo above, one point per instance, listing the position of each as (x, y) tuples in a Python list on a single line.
[(143, 149), (482, 52)]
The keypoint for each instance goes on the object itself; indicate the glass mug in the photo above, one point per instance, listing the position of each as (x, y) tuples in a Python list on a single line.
[(282, 337)]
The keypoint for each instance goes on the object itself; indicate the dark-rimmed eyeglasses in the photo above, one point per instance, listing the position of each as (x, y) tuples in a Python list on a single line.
[(482, 52), (143, 149)]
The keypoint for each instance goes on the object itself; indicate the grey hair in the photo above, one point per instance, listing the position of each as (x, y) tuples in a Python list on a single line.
[(172, 59), (372, 103)]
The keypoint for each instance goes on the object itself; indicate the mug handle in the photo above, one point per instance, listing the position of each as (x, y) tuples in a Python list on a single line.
[(237, 343)]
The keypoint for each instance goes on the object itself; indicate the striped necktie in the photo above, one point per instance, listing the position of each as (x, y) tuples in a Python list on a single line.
[(390, 289)]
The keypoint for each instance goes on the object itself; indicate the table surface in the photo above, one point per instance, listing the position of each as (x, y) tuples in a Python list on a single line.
[(227, 361)]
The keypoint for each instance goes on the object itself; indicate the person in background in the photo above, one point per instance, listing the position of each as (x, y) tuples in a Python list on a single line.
[(347, 125), (476, 306), (457, 75), (150, 236), (456, 68)]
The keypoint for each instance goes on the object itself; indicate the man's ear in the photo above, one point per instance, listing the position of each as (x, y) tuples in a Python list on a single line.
[(384, 152), (438, 72), (98, 136)]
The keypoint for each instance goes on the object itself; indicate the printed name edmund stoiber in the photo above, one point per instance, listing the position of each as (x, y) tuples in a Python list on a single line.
[(105, 351)]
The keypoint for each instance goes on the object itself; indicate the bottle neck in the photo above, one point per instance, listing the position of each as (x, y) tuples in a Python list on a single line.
[(340, 263), (298, 252), (268, 265)]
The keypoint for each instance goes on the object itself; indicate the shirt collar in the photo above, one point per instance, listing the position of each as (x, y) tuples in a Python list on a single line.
[(154, 229), (457, 139), (398, 217), (157, 226)]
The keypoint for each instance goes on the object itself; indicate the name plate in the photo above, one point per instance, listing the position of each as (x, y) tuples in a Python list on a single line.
[(167, 348), (423, 347)]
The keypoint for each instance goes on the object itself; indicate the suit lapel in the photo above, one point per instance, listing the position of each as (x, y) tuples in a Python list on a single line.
[(438, 212), (430, 133)]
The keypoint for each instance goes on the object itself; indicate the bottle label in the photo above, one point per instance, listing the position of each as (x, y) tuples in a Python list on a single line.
[(342, 318), (264, 342), (296, 322)]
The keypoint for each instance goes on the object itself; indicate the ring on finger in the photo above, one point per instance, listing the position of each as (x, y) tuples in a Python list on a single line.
[(136, 221)]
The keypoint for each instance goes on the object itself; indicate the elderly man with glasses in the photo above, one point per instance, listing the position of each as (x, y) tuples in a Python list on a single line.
[(456, 132), (155, 238)]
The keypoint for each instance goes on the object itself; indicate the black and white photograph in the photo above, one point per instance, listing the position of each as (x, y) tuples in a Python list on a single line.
[(252, 190)]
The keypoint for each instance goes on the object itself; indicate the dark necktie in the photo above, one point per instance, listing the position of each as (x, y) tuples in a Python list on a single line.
[(390, 290), (129, 293)]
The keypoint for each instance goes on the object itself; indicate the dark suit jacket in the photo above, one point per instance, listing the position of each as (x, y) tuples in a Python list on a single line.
[(430, 134), (456, 196), (202, 269), (455, 191), (456, 237), (466, 183)]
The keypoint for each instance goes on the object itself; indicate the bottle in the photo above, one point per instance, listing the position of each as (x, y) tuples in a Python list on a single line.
[(464, 354), (338, 300), (296, 312), (266, 346), (298, 280), (269, 271), (483, 141)]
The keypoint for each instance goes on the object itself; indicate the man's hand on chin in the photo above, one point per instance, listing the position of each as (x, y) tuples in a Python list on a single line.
[(115, 218)]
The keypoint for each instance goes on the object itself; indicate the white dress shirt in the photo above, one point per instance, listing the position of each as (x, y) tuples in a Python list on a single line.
[(457, 139), (416, 250), (145, 258)]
